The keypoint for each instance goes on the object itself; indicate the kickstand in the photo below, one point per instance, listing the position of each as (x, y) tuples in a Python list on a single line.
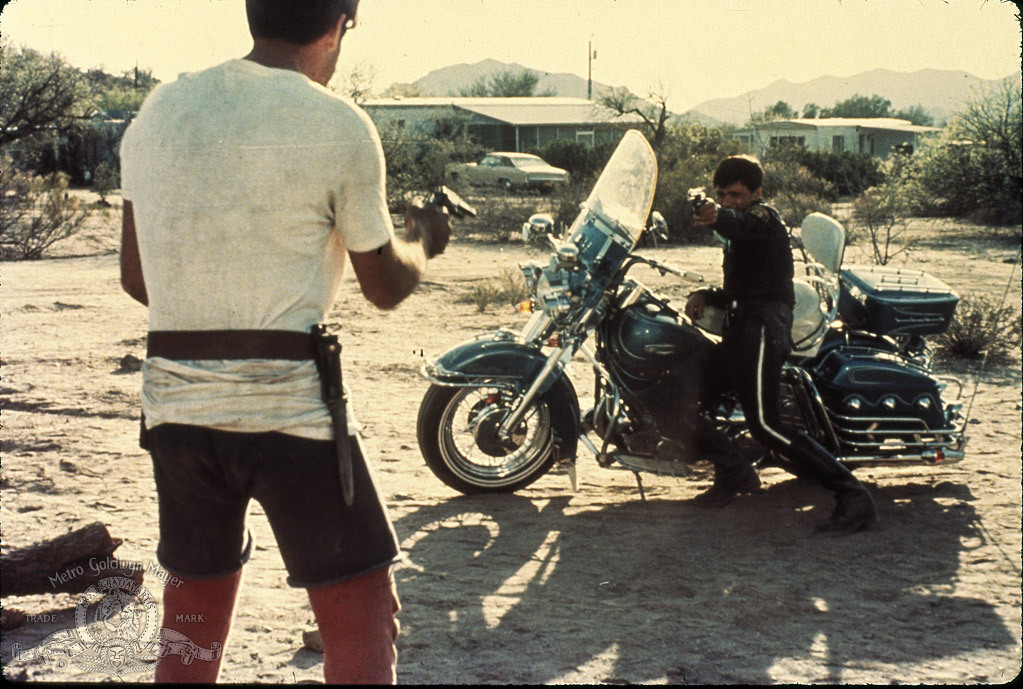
[(639, 482)]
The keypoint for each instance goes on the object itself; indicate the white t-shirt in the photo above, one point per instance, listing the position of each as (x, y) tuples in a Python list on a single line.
[(248, 185)]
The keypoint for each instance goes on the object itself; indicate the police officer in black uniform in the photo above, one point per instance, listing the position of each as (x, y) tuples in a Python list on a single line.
[(757, 297)]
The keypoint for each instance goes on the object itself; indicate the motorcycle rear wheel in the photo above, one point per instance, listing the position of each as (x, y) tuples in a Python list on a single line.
[(457, 433)]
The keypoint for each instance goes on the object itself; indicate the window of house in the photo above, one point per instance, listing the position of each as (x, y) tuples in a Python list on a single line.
[(584, 138), (788, 141), (838, 144)]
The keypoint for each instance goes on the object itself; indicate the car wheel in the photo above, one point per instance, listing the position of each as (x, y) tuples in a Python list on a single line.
[(505, 184)]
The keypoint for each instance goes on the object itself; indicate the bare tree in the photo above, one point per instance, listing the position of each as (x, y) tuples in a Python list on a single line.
[(653, 110), (356, 83)]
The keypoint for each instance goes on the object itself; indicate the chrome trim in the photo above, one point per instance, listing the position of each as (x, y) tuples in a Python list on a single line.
[(536, 326), (929, 456), (504, 432)]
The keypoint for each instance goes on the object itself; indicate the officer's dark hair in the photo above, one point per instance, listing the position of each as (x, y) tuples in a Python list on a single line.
[(740, 168), (296, 21)]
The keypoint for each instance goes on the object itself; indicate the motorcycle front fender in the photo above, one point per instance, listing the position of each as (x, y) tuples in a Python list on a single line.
[(500, 359)]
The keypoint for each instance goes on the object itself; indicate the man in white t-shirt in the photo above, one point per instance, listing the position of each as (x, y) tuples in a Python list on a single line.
[(245, 186)]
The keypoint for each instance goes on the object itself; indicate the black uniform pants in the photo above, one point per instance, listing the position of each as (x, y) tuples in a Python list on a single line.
[(749, 361)]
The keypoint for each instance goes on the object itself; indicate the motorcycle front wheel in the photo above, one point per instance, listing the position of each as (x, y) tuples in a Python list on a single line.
[(457, 430)]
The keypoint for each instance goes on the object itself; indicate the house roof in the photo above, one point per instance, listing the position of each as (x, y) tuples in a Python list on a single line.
[(886, 123), (517, 111)]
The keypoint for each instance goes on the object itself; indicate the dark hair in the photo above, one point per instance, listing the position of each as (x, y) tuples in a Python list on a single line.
[(296, 21), (741, 168)]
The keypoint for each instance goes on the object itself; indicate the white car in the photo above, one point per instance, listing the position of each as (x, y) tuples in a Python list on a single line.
[(508, 171)]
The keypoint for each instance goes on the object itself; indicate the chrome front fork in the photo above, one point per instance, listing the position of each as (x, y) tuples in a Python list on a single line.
[(556, 361)]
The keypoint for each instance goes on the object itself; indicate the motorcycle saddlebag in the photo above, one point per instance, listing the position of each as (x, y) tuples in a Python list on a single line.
[(878, 385), (895, 301)]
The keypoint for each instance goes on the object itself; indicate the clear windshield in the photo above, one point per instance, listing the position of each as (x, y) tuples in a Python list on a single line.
[(625, 190)]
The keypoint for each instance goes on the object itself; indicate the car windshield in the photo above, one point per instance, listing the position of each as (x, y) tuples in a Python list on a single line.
[(528, 162)]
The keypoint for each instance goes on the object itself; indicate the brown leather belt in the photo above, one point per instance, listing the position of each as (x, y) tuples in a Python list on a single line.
[(231, 344), (317, 345)]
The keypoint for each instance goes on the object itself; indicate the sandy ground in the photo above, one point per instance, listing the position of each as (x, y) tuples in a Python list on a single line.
[(550, 585)]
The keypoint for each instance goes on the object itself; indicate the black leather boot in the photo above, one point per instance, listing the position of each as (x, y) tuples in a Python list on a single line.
[(733, 475), (854, 508)]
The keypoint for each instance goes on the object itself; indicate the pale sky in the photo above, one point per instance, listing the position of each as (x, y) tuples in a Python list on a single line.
[(695, 49)]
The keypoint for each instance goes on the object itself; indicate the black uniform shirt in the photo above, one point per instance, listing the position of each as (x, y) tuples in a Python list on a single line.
[(758, 257)]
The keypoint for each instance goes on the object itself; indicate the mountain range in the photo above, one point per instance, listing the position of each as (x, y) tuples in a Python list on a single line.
[(939, 92), (448, 81)]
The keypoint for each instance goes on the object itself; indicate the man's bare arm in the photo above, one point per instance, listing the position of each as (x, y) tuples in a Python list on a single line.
[(389, 274), (131, 265)]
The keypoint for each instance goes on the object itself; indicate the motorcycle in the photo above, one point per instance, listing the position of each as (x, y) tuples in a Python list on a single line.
[(541, 225), (501, 409)]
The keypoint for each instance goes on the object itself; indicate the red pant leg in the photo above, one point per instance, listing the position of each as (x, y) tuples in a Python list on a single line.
[(358, 628)]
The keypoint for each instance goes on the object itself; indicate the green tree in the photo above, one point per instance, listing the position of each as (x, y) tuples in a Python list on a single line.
[(506, 84), (779, 111), (915, 114), (974, 167), (120, 101), (39, 94), (860, 106), (811, 111)]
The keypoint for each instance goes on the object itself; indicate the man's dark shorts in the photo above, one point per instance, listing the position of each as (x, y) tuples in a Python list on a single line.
[(205, 479)]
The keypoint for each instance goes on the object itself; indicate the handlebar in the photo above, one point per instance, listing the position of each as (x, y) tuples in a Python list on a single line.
[(664, 268)]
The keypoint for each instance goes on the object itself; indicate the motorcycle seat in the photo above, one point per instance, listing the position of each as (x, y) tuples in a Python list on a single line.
[(810, 319)]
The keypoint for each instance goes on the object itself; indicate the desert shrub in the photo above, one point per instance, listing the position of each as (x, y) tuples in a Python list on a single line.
[(563, 203), (880, 211), (849, 173), (483, 293), (512, 285), (687, 159), (583, 162), (105, 180), (981, 327), (497, 219), (35, 212), (507, 288), (796, 192), (416, 162)]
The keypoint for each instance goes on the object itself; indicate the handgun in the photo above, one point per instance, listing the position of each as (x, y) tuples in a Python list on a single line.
[(697, 197), (457, 207)]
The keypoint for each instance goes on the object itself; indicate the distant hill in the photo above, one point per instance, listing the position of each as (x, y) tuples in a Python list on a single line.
[(940, 92), (448, 81)]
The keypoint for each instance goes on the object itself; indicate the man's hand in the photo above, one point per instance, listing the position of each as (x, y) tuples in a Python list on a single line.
[(694, 307), (706, 214), (428, 224)]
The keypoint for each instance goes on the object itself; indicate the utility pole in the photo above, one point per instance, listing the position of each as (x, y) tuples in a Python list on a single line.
[(591, 55)]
